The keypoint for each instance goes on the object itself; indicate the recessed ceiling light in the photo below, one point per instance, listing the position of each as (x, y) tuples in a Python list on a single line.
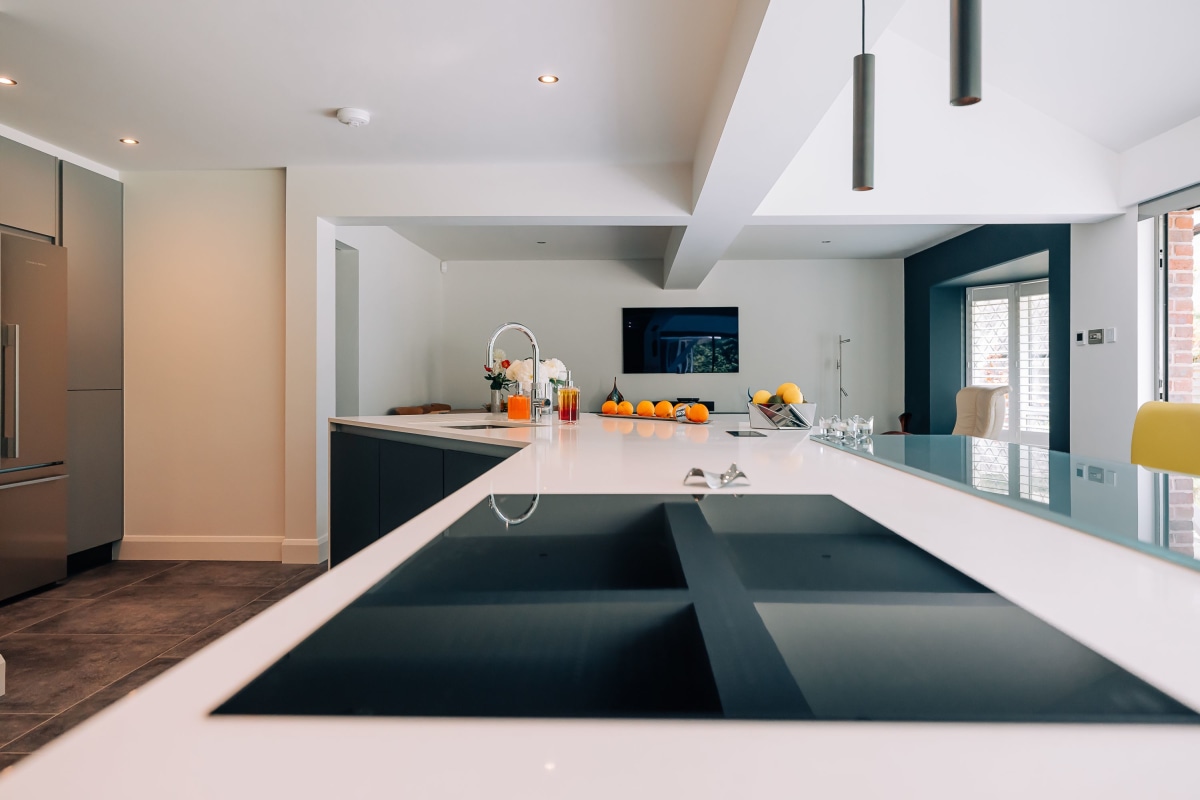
[(547, 79), (7, 81), (826, 241), (127, 140), (541, 242)]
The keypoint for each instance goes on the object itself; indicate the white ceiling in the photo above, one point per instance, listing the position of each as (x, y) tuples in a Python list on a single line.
[(522, 242), (235, 84), (229, 84), (1118, 72), (766, 242)]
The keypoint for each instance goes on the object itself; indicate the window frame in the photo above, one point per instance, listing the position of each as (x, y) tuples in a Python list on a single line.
[(1012, 293)]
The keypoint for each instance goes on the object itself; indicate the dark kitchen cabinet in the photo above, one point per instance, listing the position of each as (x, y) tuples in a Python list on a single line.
[(461, 468), (92, 232), (410, 481), (377, 483), (28, 189), (353, 494), (95, 456)]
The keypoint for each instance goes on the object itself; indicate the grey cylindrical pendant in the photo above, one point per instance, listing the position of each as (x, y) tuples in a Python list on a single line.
[(966, 52), (864, 122)]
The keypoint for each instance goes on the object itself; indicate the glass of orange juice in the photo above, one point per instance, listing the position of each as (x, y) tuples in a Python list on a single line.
[(518, 406)]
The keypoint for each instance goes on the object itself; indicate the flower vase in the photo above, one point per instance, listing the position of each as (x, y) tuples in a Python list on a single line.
[(497, 404)]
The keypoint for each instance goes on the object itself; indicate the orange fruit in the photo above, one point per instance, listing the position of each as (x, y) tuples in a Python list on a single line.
[(645, 409), (609, 407), (625, 408), (697, 413), (664, 409)]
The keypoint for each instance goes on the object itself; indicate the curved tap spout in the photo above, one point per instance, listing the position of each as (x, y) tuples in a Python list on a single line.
[(537, 400)]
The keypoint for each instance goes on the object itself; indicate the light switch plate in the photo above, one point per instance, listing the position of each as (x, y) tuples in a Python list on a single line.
[(1079, 340), (1110, 335), (1096, 336)]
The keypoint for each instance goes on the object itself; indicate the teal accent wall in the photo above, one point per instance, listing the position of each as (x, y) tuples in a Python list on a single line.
[(934, 318)]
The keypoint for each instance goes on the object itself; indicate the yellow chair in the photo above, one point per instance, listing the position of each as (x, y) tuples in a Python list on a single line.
[(1166, 436)]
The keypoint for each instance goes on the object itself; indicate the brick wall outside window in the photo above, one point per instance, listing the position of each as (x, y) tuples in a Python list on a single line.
[(1183, 350)]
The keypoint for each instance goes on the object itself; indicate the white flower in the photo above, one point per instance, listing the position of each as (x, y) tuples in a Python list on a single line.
[(554, 370), (520, 371), (498, 358)]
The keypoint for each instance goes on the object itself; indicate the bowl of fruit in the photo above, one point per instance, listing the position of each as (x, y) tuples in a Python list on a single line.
[(785, 410)]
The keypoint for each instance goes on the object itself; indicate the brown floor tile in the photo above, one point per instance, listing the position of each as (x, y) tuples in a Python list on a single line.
[(217, 630), (283, 590), (25, 612), (13, 726), (184, 610), (8, 759), (48, 674), (106, 578), (266, 574), (42, 735)]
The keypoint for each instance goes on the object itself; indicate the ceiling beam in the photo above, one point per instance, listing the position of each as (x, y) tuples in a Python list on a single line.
[(787, 61)]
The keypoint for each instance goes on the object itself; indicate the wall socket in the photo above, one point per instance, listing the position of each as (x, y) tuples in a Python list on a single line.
[(1096, 336)]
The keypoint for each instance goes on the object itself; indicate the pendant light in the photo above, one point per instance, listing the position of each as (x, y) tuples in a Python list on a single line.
[(864, 114), (966, 52)]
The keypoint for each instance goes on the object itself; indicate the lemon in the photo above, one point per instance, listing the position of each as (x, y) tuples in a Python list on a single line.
[(784, 387), (791, 394), (761, 397)]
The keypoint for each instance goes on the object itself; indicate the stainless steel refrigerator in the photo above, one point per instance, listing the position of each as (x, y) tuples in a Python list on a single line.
[(33, 414)]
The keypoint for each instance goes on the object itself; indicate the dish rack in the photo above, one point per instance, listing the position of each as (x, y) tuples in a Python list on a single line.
[(783, 416)]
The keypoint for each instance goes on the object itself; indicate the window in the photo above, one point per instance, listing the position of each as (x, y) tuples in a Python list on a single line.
[(1008, 342)]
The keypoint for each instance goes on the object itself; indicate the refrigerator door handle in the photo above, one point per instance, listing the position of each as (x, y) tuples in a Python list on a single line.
[(10, 399)]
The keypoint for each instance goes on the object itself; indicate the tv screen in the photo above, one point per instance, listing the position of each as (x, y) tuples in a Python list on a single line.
[(680, 340)]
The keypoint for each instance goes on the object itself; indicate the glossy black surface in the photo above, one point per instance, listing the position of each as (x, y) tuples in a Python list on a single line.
[(760, 607)]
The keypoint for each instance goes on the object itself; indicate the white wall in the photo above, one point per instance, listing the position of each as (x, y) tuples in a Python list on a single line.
[(1164, 164), (790, 315), (347, 331), (1106, 380), (400, 320), (204, 365)]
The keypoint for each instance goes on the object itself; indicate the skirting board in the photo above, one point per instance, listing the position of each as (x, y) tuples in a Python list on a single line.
[(150, 547), (306, 551)]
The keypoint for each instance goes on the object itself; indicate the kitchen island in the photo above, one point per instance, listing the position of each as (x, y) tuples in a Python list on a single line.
[(1141, 612)]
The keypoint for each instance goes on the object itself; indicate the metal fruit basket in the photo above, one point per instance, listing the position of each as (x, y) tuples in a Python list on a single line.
[(783, 416)]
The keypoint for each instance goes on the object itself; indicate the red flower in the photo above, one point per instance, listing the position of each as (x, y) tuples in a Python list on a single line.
[(505, 364)]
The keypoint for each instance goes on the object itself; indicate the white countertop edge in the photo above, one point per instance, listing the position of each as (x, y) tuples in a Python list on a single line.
[(1142, 612)]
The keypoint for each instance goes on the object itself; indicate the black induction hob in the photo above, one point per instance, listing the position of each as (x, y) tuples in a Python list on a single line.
[(644, 606)]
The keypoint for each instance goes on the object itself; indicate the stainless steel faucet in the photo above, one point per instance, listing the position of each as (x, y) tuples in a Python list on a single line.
[(539, 396)]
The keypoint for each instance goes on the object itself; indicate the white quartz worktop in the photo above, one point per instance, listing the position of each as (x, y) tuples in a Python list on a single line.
[(1141, 612)]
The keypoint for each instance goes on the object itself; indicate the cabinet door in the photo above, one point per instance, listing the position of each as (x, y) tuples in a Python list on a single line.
[(353, 494), (462, 468), (410, 481), (96, 461), (92, 232), (28, 189)]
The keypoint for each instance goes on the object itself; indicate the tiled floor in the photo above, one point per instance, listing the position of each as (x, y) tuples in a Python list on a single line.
[(76, 648)]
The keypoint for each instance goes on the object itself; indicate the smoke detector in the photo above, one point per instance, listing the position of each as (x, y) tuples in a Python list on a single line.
[(354, 117)]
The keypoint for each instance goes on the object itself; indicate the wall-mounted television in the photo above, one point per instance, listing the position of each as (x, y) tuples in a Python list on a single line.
[(680, 340)]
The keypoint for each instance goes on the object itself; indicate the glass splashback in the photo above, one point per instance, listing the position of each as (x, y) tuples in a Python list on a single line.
[(1143, 508)]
